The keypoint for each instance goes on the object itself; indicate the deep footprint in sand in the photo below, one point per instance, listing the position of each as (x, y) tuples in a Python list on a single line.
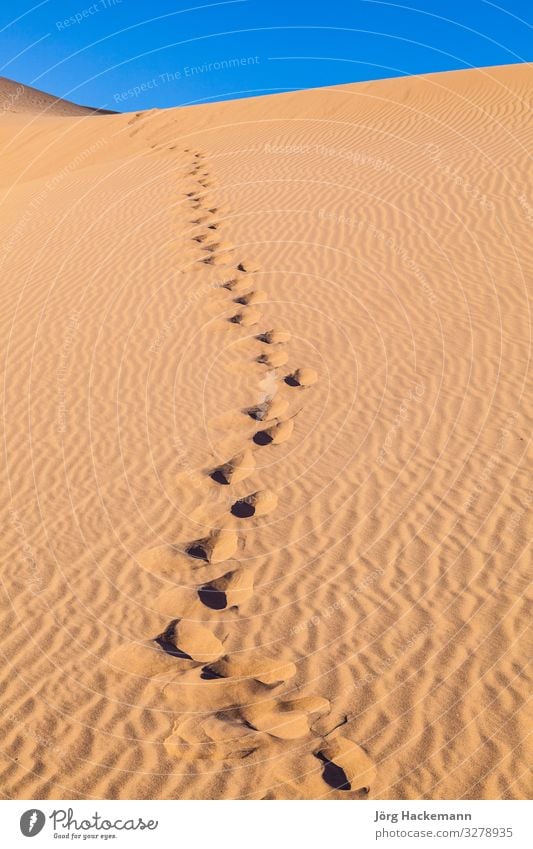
[(215, 247), (217, 210), (274, 435), (239, 731), (234, 470), (302, 377), (273, 359), (253, 667), (146, 659), (256, 297), (230, 590), (257, 504), (268, 410), (246, 317), (220, 545), (346, 765), (274, 337), (201, 219), (248, 267), (236, 285), (198, 601), (190, 640), (188, 560), (218, 737), (287, 719), (224, 257)]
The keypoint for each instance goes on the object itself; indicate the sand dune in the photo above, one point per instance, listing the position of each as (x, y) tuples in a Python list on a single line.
[(20, 99), (266, 440)]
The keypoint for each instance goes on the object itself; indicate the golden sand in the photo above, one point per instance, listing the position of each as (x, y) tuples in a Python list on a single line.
[(266, 491)]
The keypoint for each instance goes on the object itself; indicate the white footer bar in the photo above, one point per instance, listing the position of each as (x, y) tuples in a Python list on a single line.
[(267, 825)]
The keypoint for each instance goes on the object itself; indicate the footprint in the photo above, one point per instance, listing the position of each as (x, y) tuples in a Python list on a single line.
[(201, 219), (162, 559), (220, 210), (203, 236), (246, 317), (145, 659), (214, 247), (197, 203), (218, 546), (346, 765), (167, 560), (257, 667), (302, 377), (274, 435), (256, 297), (235, 470), (200, 685), (181, 600), (287, 719), (236, 285), (250, 267), (273, 719), (274, 337), (218, 737), (257, 504), (273, 359), (219, 257), (230, 590), (268, 410), (191, 640), (207, 200)]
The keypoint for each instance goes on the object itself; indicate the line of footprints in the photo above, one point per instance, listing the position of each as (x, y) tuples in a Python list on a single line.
[(232, 705)]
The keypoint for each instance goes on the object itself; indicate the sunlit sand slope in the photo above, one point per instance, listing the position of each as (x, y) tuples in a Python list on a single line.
[(266, 502)]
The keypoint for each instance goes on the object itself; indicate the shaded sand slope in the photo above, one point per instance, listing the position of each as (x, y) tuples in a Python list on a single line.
[(371, 547), (24, 99)]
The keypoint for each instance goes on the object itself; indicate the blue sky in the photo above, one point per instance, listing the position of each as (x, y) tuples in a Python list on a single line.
[(134, 54)]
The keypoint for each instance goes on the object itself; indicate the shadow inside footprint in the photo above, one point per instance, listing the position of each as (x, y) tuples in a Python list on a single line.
[(219, 477), (243, 509), (214, 599), (291, 380), (262, 437), (208, 674), (257, 413), (170, 648), (334, 775), (197, 551)]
